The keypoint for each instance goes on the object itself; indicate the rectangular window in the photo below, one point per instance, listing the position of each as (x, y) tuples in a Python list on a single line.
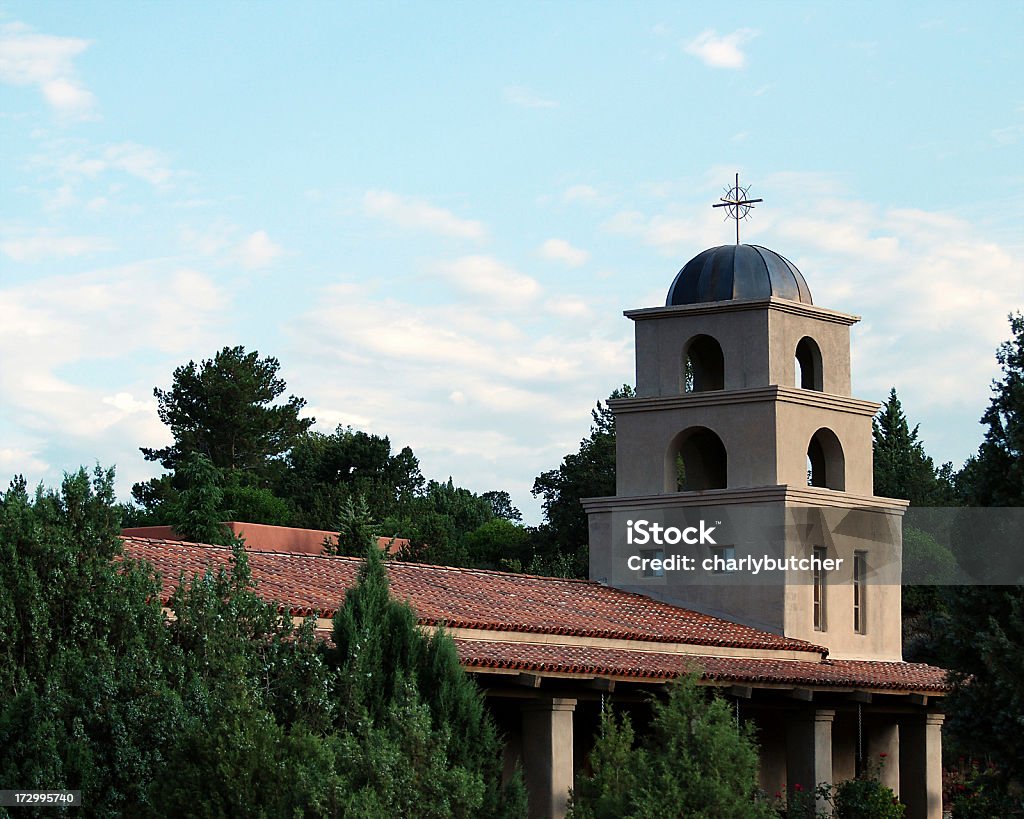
[(820, 553), (860, 572), (652, 554), (718, 554)]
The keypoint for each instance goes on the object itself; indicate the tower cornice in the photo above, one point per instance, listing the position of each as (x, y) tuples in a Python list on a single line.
[(711, 398), (736, 306), (790, 495)]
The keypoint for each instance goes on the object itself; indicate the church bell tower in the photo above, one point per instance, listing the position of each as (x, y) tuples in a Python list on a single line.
[(744, 419)]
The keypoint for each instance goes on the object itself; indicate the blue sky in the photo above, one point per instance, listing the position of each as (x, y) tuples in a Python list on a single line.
[(433, 214)]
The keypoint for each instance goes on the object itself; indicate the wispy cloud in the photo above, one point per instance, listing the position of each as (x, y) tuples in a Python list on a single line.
[(257, 250), (560, 250), (74, 323), (587, 194), (47, 245), (488, 277), (73, 160), (490, 401), (409, 212), (721, 52), (47, 62), (18, 460), (526, 98)]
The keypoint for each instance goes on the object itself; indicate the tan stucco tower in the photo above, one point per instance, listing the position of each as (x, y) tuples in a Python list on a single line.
[(744, 416)]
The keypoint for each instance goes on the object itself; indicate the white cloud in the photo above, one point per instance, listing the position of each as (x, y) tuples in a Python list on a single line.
[(139, 161), (408, 212), (128, 404), (484, 402), (45, 245), (258, 251), (488, 277), (568, 307), (582, 193), (560, 250), (525, 98), (16, 461), (76, 361), (67, 321), (721, 52), (72, 161), (45, 61), (669, 233)]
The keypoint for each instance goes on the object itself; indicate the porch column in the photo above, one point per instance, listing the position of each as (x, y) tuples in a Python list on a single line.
[(921, 765), (547, 756), (884, 738), (809, 749)]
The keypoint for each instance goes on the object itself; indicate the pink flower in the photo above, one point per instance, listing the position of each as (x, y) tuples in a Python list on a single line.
[(798, 787)]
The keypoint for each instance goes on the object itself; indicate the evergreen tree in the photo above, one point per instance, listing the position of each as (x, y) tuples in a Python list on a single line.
[(439, 523), (355, 527), (418, 739), (608, 791), (87, 700), (502, 506), (198, 511), (322, 472), (257, 738), (995, 477), (224, 408), (983, 637), (901, 467), (983, 645), (693, 762), (588, 473), (227, 409)]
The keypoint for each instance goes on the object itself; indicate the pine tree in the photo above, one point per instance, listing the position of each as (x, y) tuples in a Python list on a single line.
[(588, 473), (418, 739), (901, 467), (983, 638), (196, 513), (87, 700), (607, 791), (995, 477), (694, 762)]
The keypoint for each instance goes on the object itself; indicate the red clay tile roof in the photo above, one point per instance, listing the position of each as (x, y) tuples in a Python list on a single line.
[(467, 598), (614, 662), (500, 601)]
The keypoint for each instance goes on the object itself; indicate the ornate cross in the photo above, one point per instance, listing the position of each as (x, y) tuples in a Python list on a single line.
[(736, 204)]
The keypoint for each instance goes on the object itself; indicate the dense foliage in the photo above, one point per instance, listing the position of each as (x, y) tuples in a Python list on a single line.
[(241, 452), (978, 631), (227, 709), (588, 473), (227, 409), (694, 762), (87, 691), (902, 469)]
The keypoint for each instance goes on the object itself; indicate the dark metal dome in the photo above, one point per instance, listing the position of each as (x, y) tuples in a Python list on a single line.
[(738, 272)]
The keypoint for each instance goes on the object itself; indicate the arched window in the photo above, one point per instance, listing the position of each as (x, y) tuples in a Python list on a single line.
[(696, 460), (808, 365), (703, 365), (826, 466)]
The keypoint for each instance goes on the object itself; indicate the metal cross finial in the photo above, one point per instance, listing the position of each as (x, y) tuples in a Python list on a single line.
[(736, 204)]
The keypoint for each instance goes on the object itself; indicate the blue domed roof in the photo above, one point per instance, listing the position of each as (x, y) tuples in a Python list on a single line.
[(738, 272)]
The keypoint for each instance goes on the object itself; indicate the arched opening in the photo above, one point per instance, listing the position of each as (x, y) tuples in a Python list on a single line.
[(808, 365), (703, 365), (696, 460), (826, 465)]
